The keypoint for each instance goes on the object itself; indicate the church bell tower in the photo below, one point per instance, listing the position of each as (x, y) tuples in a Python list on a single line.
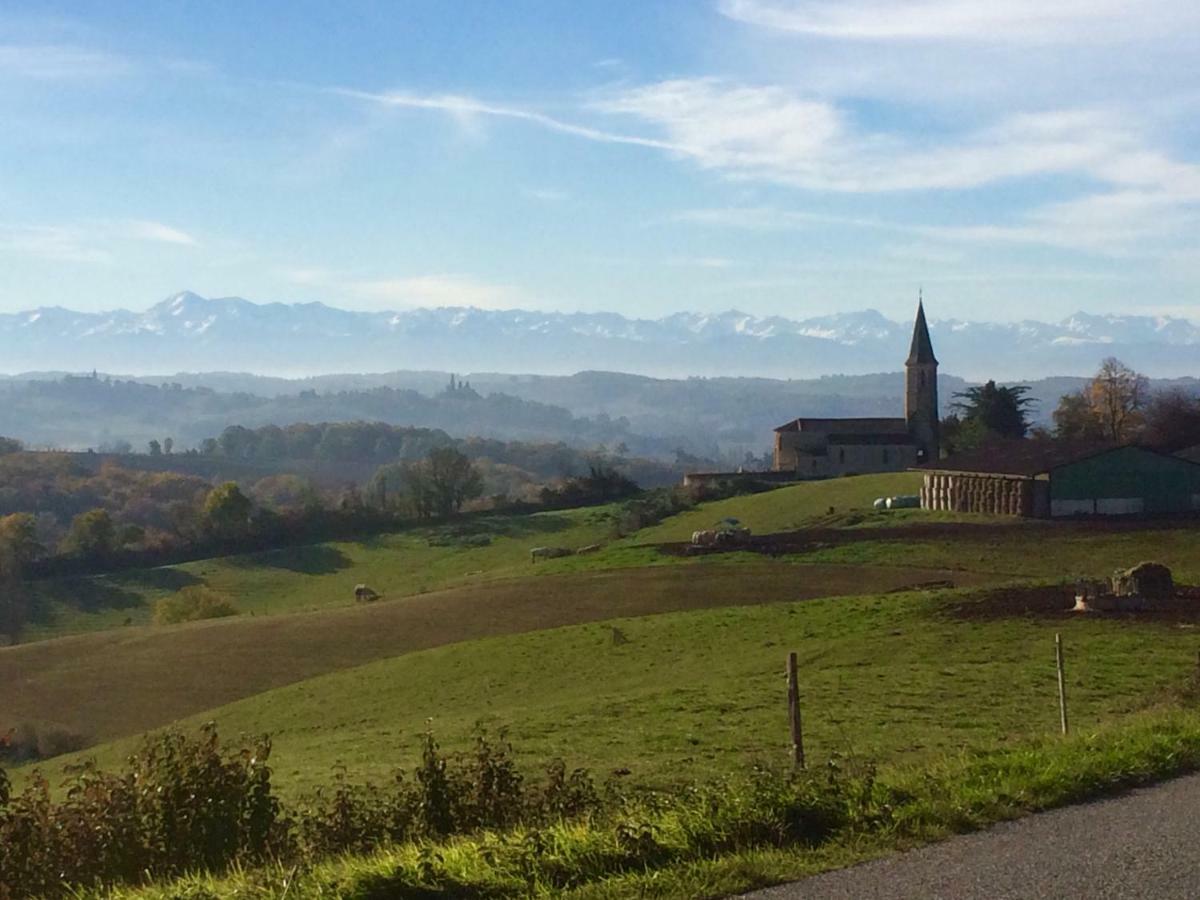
[(921, 392)]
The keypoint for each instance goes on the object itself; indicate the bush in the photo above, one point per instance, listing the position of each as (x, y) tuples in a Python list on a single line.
[(190, 604), (180, 805), (30, 741)]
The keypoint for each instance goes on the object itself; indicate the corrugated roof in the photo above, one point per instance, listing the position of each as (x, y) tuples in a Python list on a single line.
[(1020, 458)]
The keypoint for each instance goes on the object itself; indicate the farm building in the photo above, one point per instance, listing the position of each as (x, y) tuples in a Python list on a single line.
[(1049, 479)]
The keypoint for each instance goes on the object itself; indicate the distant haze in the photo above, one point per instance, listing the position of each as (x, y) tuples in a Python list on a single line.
[(187, 332)]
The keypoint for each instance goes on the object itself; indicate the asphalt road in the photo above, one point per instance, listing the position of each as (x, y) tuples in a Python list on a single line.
[(1140, 845)]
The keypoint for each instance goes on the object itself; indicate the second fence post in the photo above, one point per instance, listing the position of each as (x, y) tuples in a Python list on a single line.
[(1062, 683), (793, 698)]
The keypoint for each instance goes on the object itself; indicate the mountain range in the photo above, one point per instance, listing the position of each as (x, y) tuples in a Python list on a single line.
[(189, 332)]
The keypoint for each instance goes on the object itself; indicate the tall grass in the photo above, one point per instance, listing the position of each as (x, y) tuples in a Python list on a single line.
[(730, 835)]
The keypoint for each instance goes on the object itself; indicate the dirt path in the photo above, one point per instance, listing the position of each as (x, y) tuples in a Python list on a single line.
[(114, 683)]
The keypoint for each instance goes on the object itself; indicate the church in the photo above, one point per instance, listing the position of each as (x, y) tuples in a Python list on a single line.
[(820, 448)]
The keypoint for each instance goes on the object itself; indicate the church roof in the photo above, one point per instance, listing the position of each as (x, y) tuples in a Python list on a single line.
[(847, 426), (922, 347)]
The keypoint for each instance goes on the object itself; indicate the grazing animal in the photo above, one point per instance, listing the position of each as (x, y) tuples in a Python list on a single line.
[(590, 548), (363, 594), (547, 553), (707, 538)]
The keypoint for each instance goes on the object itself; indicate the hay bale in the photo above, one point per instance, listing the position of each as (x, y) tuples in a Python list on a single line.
[(1150, 580)]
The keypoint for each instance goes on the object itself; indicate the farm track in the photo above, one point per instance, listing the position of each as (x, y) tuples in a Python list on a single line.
[(115, 683)]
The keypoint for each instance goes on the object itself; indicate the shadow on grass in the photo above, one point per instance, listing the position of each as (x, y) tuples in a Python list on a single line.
[(89, 595), (316, 559), (163, 579)]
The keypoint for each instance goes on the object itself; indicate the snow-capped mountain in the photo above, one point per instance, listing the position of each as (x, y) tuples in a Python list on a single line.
[(189, 332)]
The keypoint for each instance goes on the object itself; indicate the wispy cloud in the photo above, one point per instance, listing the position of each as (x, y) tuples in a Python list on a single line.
[(1117, 224), (466, 108), (158, 232), (60, 62), (90, 242), (972, 20), (50, 242)]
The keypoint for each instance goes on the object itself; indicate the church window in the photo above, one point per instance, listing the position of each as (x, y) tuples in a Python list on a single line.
[(842, 455), (885, 454)]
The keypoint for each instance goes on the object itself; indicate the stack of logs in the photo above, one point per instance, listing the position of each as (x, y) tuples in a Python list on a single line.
[(966, 492)]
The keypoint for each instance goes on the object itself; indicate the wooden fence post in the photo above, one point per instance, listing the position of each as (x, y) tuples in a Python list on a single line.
[(793, 696), (1062, 684)]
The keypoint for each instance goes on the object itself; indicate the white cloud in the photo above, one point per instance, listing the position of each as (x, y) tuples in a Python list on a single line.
[(50, 242), (158, 232), (438, 290), (771, 134), (55, 62), (95, 242), (991, 21), (465, 109)]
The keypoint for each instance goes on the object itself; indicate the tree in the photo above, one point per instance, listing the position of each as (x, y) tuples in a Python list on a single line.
[(168, 445), (19, 547), (10, 445), (1172, 421), (453, 480), (989, 411), (1075, 419), (155, 448), (14, 601), (1117, 396), (92, 536), (19, 539), (227, 511)]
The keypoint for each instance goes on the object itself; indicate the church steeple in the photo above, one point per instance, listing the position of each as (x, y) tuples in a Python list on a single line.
[(921, 352), (921, 390)]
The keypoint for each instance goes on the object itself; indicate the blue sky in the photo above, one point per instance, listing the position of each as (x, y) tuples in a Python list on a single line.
[(1017, 158)]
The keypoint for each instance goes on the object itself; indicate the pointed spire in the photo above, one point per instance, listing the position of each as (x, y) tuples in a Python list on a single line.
[(921, 351)]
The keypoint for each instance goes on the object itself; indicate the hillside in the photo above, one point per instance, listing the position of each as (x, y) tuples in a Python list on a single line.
[(298, 622)]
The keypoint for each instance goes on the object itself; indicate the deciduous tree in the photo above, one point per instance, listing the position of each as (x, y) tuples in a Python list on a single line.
[(1118, 395)]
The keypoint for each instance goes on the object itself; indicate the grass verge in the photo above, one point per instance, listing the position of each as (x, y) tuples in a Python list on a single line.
[(712, 842)]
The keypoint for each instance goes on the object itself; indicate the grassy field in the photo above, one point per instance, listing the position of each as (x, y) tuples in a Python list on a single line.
[(323, 576), (630, 660), (108, 684), (895, 678), (786, 508)]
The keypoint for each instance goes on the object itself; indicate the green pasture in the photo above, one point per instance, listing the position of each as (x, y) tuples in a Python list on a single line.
[(895, 678)]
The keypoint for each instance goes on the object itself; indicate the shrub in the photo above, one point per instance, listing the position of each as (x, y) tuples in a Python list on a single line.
[(191, 604), (180, 805), (29, 741)]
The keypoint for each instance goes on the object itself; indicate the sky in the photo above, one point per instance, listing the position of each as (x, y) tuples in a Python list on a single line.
[(1012, 158)]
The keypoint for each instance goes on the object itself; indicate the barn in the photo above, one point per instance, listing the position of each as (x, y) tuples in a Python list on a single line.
[(1048, 479)]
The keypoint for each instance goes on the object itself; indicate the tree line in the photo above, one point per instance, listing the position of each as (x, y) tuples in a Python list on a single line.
[(1115, 406)]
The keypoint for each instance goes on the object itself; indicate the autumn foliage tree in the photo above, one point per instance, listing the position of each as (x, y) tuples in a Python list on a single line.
[(1110, 407)]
